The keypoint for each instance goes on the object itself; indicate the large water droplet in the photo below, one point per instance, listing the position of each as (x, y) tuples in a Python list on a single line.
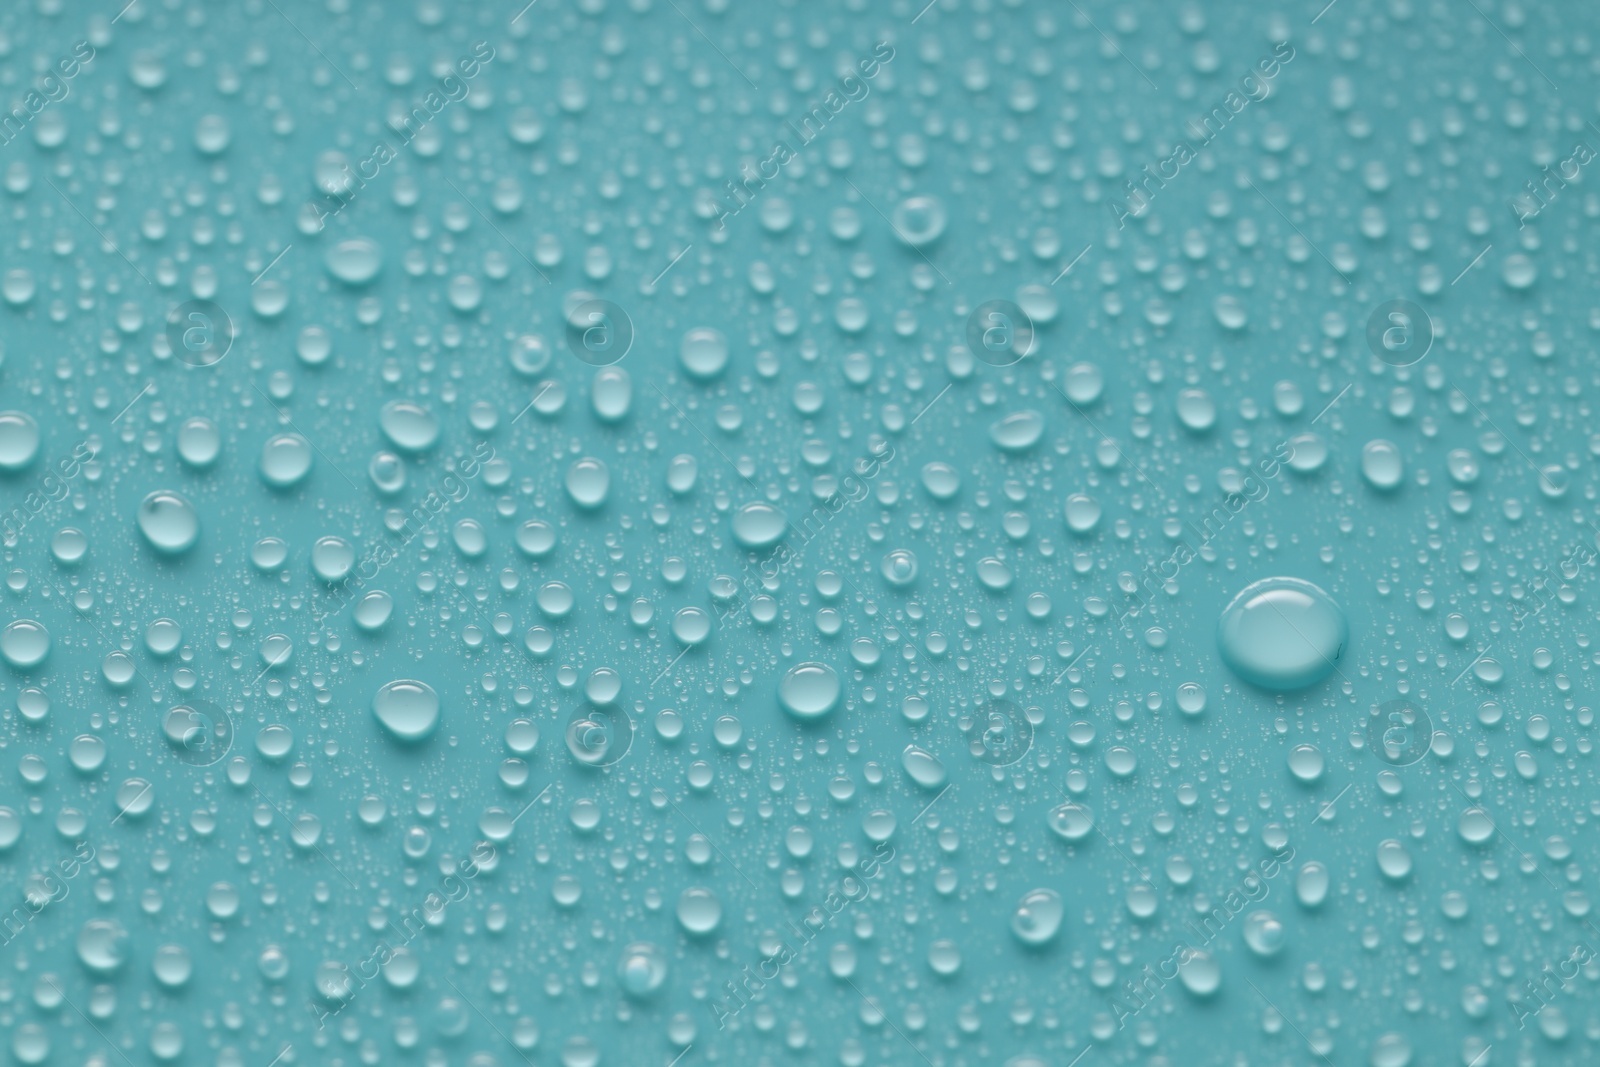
[(809, 690), (25, 643), (408, 709), (168, 522), (1038, 916), (19, 440), (759, 525), (1282, 633)]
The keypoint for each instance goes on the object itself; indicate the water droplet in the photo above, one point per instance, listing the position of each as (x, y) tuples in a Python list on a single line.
[(1282, 633), (168, 522), (704, 353), (588, 482), (809, 691), (285, 460), (25, 643), (1038, 916), (759, 525), (699, 910), (408, 425), (19, 440), (923, 767), (408, 709), (1018, 432), (1382, 465), (355, 261)]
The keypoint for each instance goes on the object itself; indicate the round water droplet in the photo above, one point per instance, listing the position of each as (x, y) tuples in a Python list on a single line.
[(355, 261), (1475, 826), (642, 970), (919, 221), (1082, 513), (1018, 432), (168, 522), (1200, 973), (704, 353), (408, 425), (1393, 859), (1306, 762), (699, 910), (19, 440), (611, 394), (759, 525), (923, 767), (199, 442), (1038, 916), (1071, 821), (102, 945), (1196, 410), (1382, 465), (941, 480), (809, 691), (408, 709), (285, 460), (25, 643), (588, 482), (691, 626), (1282, 633), (1263, 932), (373, 610)]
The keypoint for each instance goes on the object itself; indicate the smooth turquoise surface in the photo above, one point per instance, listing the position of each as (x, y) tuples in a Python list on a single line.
[(619, 533)]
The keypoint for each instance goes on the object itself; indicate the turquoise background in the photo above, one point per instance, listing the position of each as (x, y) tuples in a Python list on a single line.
[(585, 161)]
